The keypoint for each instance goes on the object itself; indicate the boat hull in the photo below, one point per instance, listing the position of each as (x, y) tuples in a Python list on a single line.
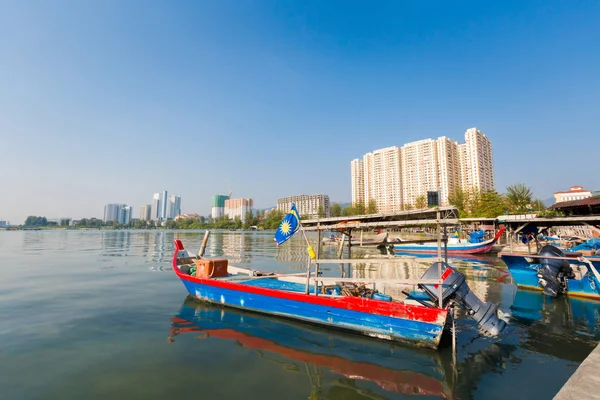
[(457, 248), (421, 331), (524, 275)]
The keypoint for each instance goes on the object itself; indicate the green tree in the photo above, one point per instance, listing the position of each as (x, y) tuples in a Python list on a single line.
[(421, 202), (519, 198), (336, 210), (321, 211), (460, 199), (408, 207), (372, 207), (358, 208), (538, 205), (488, 204), (248, 219)]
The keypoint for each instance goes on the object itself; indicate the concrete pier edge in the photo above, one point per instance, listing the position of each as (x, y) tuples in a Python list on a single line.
[(584, 383)]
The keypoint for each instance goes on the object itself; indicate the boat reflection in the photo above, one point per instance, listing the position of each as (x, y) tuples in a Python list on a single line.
[(365, 367), (564, 327)]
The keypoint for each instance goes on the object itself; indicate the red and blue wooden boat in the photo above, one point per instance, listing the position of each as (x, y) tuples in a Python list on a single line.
[(286, 296), (453, 248)]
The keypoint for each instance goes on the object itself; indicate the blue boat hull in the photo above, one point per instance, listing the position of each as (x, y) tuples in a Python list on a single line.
[(418, 333), (524, 274)]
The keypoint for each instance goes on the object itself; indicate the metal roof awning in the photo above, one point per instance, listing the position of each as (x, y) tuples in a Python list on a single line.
[(429, 216)]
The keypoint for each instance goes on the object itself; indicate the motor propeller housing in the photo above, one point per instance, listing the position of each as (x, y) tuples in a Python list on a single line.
[(455, 288), (553, 275)]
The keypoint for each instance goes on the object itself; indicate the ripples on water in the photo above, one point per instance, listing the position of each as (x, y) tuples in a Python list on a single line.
[(100, 314)]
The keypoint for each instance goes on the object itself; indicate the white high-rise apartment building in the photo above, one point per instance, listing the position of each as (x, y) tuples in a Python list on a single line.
[(448, 167), (419, 169), (395, 177), (238, 208), (358, 181), (145, 212), (307, 205), (478, 168), (382, 179)]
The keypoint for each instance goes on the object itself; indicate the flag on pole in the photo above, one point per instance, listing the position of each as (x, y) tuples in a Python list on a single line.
[(288, 226)]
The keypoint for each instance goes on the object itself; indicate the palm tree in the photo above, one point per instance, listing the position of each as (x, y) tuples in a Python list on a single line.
[(519, 198)]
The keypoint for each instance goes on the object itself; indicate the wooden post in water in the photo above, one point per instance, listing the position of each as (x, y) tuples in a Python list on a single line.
[(317, 264), (341, 253), (445, 245), (204, 242), (308, 275), (439, 255)]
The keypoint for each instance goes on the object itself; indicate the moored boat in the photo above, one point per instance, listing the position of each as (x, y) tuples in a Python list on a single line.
[(347, 304), (556, 272), (452, 247), (379, 239)]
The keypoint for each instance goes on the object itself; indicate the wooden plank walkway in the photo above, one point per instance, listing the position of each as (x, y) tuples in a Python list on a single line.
[(584, 383)]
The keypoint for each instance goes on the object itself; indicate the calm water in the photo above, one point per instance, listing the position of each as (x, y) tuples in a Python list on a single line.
[(100, 314)]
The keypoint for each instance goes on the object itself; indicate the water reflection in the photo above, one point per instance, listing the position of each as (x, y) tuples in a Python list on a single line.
[(339, 364), (562, 327)]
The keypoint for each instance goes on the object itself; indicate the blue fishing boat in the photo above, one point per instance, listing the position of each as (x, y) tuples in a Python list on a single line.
[(346, 304), (453, 247), (556, 272)]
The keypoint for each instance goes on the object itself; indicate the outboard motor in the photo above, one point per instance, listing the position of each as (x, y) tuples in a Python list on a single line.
[(553, 275), (456, 289)]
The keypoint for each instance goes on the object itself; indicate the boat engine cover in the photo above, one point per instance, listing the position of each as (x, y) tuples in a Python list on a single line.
[(454, 288), (553, 274)]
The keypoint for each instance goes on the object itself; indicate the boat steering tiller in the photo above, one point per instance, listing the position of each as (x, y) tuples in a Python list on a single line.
[(553, 275), (455, 289)]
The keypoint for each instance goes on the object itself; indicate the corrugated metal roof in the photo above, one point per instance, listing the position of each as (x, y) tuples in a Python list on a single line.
[(590, 201)]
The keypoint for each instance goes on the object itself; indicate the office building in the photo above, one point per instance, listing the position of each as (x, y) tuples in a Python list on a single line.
[(174, 207), (395, 177), (146, 212), (124, 215), (308, 206), (238, 208), (218, 205), (111, 212), (163, 206)]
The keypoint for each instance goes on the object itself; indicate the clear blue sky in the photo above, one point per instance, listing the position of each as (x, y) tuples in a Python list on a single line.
[(111, 101)]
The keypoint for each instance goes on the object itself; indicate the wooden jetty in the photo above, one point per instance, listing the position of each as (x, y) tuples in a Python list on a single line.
[(584, 383)]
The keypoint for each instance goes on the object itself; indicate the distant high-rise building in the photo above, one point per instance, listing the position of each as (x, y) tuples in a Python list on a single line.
[(160, 206), (218, 205), (146, 212), (116, 213), (381, 171), (124, 215), (238, 208), (164, 207), (3, 224), (308, 206), (174, 208), (111, 212), (396, 177), (358, 182), (155, 213), (479, 166)]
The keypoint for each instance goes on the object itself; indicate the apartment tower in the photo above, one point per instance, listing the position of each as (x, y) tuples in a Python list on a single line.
[(395, 177)]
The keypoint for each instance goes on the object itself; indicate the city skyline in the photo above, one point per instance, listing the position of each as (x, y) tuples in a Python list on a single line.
[(275, 100)]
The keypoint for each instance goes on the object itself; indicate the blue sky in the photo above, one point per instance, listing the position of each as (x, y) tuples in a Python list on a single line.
[(111, 101)]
